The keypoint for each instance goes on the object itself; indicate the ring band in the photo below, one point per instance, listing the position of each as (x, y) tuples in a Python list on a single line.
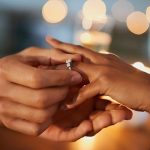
[(69, 64)]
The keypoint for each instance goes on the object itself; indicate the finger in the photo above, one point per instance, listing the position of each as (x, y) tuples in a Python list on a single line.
[(100, 120), (120, 115), (103, 119), (74, 49), (42, 98), (58, 134), (123, 111), (16, 110), (36, 61), (23, 126), (87, 92), (53, 56), (17, 72)]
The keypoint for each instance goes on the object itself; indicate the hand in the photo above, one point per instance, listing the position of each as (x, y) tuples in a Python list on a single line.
[(109, 75), (86, 119), (30, 95)]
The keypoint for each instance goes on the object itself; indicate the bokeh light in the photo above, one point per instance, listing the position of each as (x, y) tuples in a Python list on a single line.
[(137, 23), (94, 10), (87, 24), (95, 38), (86, 38), (148, 13), (87, 143), (121, 9), (55, 11)]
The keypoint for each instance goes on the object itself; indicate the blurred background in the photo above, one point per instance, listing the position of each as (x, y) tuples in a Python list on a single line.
[(117, 26)]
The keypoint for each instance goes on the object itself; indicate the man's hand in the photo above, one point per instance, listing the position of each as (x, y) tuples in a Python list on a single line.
[(30, 95), (86, 119)]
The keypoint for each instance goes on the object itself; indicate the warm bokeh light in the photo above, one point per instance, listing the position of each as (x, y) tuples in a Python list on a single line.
[(137, 23), (95, 38), (94, 10), (86, 38), (121, 9), (87, 24), (148, 13), (87, 143), (54, 11)]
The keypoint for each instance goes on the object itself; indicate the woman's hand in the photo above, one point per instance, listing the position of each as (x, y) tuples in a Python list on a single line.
[(110, 76), (30, 95)]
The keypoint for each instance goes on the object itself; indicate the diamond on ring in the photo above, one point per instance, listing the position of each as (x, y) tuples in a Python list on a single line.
[(69, 64)]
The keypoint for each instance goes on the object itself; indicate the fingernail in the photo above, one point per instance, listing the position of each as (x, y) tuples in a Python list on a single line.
[(76, 78)]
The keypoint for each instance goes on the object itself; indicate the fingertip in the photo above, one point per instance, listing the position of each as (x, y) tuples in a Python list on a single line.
[(74, 105), (70, 106), (86, 126), (76, 78), (48, 38), (52, 41), (129, 114)]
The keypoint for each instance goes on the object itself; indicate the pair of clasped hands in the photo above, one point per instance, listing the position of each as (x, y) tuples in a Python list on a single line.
[(39, 96)]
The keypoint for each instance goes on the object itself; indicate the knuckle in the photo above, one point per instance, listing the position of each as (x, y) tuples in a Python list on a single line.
[(36, 80), (41, 99), (5, 61), (105, 79)]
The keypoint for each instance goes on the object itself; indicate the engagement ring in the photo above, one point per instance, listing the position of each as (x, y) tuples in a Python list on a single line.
[(69, 64)]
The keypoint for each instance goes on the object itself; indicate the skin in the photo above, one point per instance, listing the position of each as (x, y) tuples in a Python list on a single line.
[(33, 94), (108, 75), (99, 113), (36, 89), (96, 116)]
